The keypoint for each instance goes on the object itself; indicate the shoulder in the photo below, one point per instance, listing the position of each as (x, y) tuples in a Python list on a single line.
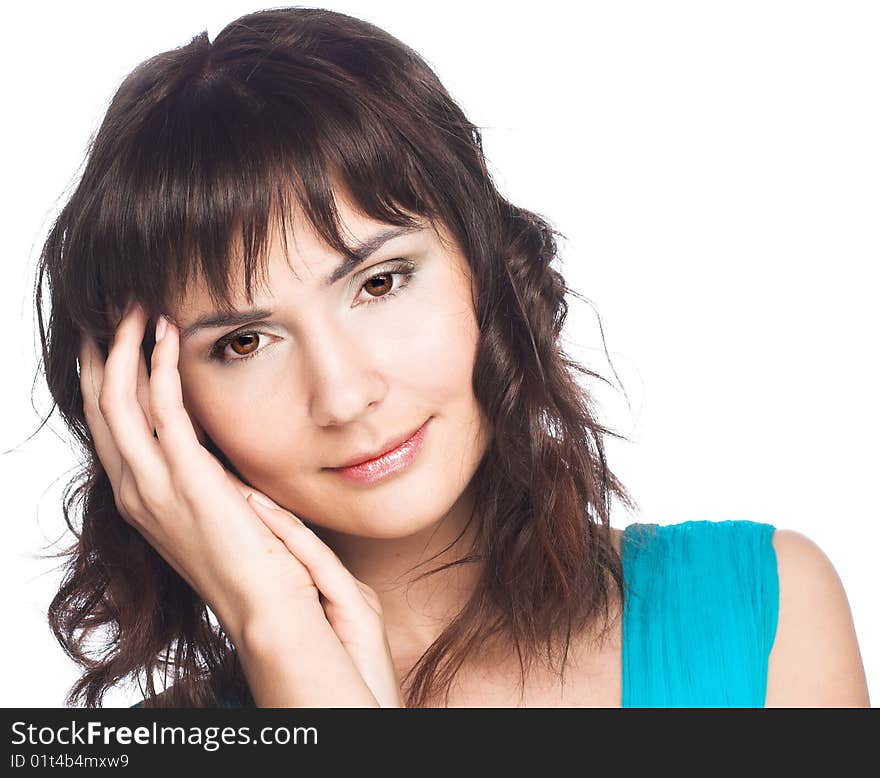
[(815, 660)]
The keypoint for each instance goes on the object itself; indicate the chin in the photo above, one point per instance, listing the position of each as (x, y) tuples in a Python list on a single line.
[(401, 520), (396, 514)]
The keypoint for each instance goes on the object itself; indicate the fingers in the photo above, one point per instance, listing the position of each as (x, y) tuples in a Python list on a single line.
[(338, 586), (143, 389), (92, 372), (118, 403), (244, 489), (91, 378), (351, 606), (175, 429)]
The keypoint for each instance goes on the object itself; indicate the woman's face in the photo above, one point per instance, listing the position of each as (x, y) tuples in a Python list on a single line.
[(341, 369)]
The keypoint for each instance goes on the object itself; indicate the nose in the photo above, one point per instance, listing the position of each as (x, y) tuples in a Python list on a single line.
[(345, 380)]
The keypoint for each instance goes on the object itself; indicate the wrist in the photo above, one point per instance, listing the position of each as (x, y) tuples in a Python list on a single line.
[(264, 638), (289, 668)]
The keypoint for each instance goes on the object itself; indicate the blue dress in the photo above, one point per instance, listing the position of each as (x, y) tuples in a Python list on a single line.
[(699, 616)]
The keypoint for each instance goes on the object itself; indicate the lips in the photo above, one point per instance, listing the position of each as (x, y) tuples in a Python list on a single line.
[(388, 446)]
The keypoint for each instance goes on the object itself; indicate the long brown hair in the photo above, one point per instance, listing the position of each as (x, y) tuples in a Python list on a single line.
[(201, 148)]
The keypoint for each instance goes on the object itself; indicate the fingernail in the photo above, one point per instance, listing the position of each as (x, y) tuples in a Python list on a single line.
[(161, 325), (263, 500)]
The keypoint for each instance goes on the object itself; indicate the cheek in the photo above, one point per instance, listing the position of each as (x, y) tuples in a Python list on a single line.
[(427, 363), (436, 359), (243, 431)]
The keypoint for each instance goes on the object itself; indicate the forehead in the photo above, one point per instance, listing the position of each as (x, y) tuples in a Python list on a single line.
[(297, 249)]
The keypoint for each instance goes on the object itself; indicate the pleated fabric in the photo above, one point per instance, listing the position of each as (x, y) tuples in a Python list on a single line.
[(700, 614)]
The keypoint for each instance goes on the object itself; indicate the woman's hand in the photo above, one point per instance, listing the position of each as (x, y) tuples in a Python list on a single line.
[(195, 513), (352, 608)]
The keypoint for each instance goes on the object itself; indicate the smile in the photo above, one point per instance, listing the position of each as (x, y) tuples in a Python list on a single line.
[(389, 463)]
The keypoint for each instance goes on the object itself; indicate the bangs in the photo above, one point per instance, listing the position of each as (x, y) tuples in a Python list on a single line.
[(203, 173)]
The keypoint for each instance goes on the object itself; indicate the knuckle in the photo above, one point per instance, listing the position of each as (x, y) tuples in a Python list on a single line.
[(127, 501), (153, 504), (152, 497), (105, 403), (188, 491), (159, 414), (156, 414)]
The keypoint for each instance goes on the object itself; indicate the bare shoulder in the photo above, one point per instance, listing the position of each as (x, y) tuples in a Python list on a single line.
[(815, 661)]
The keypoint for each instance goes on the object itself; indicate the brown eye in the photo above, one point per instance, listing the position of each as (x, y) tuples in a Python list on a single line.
[(383, 287), (251, 339), (245, 346), (377, 287)]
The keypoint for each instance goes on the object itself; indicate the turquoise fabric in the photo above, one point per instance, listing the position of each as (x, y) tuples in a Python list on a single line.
[(700, 616)]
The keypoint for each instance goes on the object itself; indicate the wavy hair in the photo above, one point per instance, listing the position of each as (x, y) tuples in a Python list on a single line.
[(201, 148)]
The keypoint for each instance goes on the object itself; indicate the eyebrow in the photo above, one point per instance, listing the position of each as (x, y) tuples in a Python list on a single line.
[(360, 254)]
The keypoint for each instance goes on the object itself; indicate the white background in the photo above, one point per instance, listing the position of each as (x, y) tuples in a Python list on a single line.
[(715, 169)]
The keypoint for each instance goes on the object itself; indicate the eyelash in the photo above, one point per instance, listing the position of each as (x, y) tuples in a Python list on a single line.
[(404, 268)]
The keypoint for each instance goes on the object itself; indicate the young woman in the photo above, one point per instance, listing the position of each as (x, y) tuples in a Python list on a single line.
[(310, 350)]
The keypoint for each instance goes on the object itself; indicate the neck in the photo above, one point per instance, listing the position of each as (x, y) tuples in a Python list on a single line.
[(415, 611)]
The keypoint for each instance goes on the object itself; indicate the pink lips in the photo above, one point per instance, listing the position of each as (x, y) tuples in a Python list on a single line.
[(390, 462)]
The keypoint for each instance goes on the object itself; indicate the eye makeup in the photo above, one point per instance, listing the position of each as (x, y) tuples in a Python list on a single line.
[(403, 268)]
